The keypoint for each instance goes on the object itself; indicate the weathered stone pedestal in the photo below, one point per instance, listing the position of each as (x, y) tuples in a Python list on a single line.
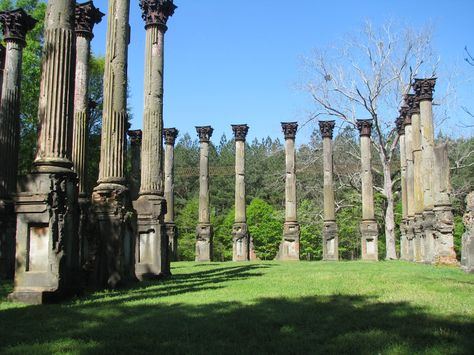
[(240, 232), (290, 245), (467, 251), (169, 135), (330, 241), (368, 225), (204, 228), (419, 244)]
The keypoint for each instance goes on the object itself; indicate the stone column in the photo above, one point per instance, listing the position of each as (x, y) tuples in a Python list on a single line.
[(47, 256), (135, 137), (169, 135), (467, 251), (330, 236), (15, 25), (403, 183), (152, 243), (290, 244), (443, 210), (86, 15), (2, 65), (111, 199), (368, 226), (204, 228), (240, 234), (410, 183), (418, 241), (424, 93)]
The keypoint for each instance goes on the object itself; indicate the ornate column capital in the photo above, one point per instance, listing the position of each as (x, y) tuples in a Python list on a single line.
[(169, 135), (424, 88), (400, 124), (16, 23), (135, 136), (204, 133), (87, 15), (364, 127), (327, 128), (289, 129), (240, 131), (157, 12)]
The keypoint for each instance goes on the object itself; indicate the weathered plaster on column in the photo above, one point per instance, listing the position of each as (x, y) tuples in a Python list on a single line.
[(169, 135)]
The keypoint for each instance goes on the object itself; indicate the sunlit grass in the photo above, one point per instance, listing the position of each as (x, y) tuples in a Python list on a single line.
[(266, 307)]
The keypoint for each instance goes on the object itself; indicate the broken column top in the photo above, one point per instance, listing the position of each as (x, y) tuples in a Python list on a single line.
[(289, 129), (16, 23), (204, 133), (157, 12), (364, 127), (169, 135), (327, 128), (87, 15), (424, 88), (240, 131), (135, 136)]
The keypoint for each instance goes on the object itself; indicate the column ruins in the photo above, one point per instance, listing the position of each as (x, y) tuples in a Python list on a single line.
[(410, 185), (403, 182), (135, 137), (443, 252), (330, 236), (290, 244), (86, 16), (424, 95), (47, 256), (111, 202), (240, 234), (467, 251), (368, 226), (152, 259), (169, 135), (15, 25), (204, 228)]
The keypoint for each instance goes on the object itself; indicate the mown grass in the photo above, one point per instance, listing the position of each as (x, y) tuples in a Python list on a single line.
[(257, 308)]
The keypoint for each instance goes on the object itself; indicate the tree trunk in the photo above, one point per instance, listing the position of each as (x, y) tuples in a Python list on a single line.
[(391, 252)]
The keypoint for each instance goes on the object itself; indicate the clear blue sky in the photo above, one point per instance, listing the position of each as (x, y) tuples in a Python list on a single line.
[(234, 61)]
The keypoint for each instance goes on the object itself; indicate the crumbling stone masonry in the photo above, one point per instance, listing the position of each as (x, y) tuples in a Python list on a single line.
[(368, 226), (15, 25), (204, 228), (467, 253), (169, 135), (330, 236), (47, 259)]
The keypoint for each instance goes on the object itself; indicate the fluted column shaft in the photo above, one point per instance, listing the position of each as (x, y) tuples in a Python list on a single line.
[(418, 163), (152, 151), (240, 205), (427, 152), (10, 118), (56, 103), (114, 116), (328, 184), (169, 182), (204, 213), (290, 181), (410, 182)]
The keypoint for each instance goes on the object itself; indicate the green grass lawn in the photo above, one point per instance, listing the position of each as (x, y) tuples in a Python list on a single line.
[(254, 308)]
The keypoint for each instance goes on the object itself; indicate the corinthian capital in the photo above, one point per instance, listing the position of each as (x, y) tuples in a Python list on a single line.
[(204, 133), (424, 88), (327, 128), (157, 12), (240, 131), (170, 134), (289, 129), (364, 127), (87, 15), (16, 23)]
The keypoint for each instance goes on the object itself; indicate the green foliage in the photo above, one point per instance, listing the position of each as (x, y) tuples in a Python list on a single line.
[(265, 227), (186, 222), (311, 229), (223, 235), (458, 232)]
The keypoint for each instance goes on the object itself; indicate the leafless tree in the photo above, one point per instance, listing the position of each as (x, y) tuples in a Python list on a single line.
[(366, 76)]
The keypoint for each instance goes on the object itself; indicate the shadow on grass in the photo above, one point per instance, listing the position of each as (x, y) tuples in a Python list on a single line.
[(141, 320)]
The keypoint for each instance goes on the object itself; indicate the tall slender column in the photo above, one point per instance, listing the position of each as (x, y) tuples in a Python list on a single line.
[(111, 199), (330, 236), (136, 153), (152, 243), (424, 92), (410, 182), (15, 25), (169, 135), (403, 182), (2, 65), (368, 226), (290, 244), (87, 15), (204, 228), (240, 234), (443, 210), (467, 252), (47, 256)]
